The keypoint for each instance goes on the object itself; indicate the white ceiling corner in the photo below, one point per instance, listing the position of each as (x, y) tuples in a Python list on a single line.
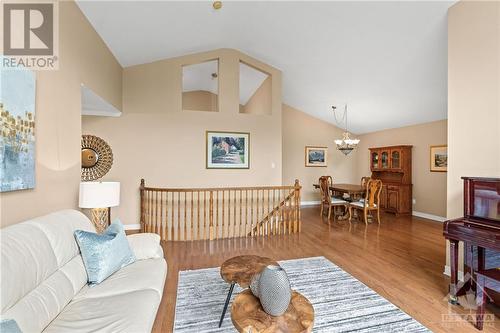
[(95, 105), (250, 80), (198, 77)]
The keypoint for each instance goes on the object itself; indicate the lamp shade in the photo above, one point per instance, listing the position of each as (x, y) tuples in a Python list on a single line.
[(99, 194)]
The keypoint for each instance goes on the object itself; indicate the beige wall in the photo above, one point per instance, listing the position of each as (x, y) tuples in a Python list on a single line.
[(199, 101), (473, 95), (84, 58), (300, 130), (429, 188), (154, 139), (260, 102)]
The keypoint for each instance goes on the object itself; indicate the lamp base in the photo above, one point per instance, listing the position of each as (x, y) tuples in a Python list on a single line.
[(100, 219)]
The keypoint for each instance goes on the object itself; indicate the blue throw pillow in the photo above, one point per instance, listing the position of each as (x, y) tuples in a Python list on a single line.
[(103, 254), (9, 326)]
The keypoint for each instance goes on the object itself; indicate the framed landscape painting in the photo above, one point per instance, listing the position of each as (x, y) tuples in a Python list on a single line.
[(228, 150), (17, 130), (439, 158), (316, 156)]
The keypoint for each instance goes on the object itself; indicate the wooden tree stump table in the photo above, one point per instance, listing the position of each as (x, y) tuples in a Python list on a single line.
[(248, 316), (241, 270)]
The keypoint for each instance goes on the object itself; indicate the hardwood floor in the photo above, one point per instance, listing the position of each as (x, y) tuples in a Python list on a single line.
[(402, 260)]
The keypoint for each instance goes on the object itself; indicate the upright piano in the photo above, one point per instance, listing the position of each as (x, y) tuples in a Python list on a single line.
[(479, 229)]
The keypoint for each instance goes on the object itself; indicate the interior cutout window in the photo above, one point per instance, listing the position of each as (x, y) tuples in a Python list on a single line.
[(200, 86), (255, 90)]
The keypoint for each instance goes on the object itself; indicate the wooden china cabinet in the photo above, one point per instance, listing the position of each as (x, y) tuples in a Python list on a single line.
[(392, 165)]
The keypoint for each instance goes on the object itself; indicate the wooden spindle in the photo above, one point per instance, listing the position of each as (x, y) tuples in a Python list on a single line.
[(192, 214), (150, 210), (198, 226), (211, 218), (229, 213), (234, 215), (223, 213), (179, 216), (204, 214), (217, 215), (264, 213), (172, 217), (156, 217), (257, 213), (165, 221), (252, 225), (161, 233), (241, 213), (246, 213)]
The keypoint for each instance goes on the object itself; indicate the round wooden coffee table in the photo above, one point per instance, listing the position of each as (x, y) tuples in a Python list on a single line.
[(248, 316), (240, 270)]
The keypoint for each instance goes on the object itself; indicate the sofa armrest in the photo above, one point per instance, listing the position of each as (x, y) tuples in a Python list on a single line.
[(145, 245)]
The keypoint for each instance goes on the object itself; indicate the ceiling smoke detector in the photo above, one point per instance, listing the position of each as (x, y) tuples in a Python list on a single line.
[(217, 5)]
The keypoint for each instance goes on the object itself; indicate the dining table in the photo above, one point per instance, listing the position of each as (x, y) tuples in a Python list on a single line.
[(354, 191)]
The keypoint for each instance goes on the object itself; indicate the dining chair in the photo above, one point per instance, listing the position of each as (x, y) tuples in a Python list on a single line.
[(325, 182), (365, 180), (371, 201)]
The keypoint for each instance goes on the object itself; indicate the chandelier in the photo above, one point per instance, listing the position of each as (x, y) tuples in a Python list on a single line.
[(346, 144)]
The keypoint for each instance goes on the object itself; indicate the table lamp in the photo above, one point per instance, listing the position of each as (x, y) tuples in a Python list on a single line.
[(100, 197)]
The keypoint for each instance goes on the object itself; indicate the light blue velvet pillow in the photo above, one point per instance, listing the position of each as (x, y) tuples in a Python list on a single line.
[(103, 254), (9, 326)]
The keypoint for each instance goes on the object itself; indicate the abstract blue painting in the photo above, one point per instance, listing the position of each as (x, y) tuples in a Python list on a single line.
[(17, 126)]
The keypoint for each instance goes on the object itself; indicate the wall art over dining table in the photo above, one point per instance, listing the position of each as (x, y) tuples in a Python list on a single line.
[(228, 150), (316, 156), (17, 126)]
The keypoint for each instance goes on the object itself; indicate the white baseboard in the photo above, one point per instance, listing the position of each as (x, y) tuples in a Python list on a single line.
[(132, 226), (310, 203), (429, 216), (447, 271)]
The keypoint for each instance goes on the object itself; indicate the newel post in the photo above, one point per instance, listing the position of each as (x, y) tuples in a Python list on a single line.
[(142, 215), (297, 203)]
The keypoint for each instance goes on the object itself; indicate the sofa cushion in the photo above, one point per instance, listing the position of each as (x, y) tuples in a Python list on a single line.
[(127, 301), (41, 268), (145, 245), (39, 307), (141, 275), (130, 312)]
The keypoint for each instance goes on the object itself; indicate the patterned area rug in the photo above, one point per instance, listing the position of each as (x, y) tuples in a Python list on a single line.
[(341, 303)]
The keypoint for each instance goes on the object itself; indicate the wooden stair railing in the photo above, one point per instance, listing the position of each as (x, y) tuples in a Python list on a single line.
[(276, 215), (183, 214)]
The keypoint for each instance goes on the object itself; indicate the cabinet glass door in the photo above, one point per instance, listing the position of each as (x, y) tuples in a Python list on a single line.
[(395, 159), (374, 160), (385, 159)]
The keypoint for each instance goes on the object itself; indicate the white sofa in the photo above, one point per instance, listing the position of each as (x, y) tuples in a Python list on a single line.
[(44, 282)]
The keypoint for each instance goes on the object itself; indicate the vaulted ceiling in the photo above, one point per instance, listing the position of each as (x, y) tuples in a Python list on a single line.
[(386, 60)]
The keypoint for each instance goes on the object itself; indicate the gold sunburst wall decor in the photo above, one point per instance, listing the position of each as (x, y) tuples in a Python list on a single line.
[(97, 158)]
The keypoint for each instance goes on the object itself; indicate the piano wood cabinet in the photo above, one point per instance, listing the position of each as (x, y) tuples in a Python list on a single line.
[(392, 165)]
